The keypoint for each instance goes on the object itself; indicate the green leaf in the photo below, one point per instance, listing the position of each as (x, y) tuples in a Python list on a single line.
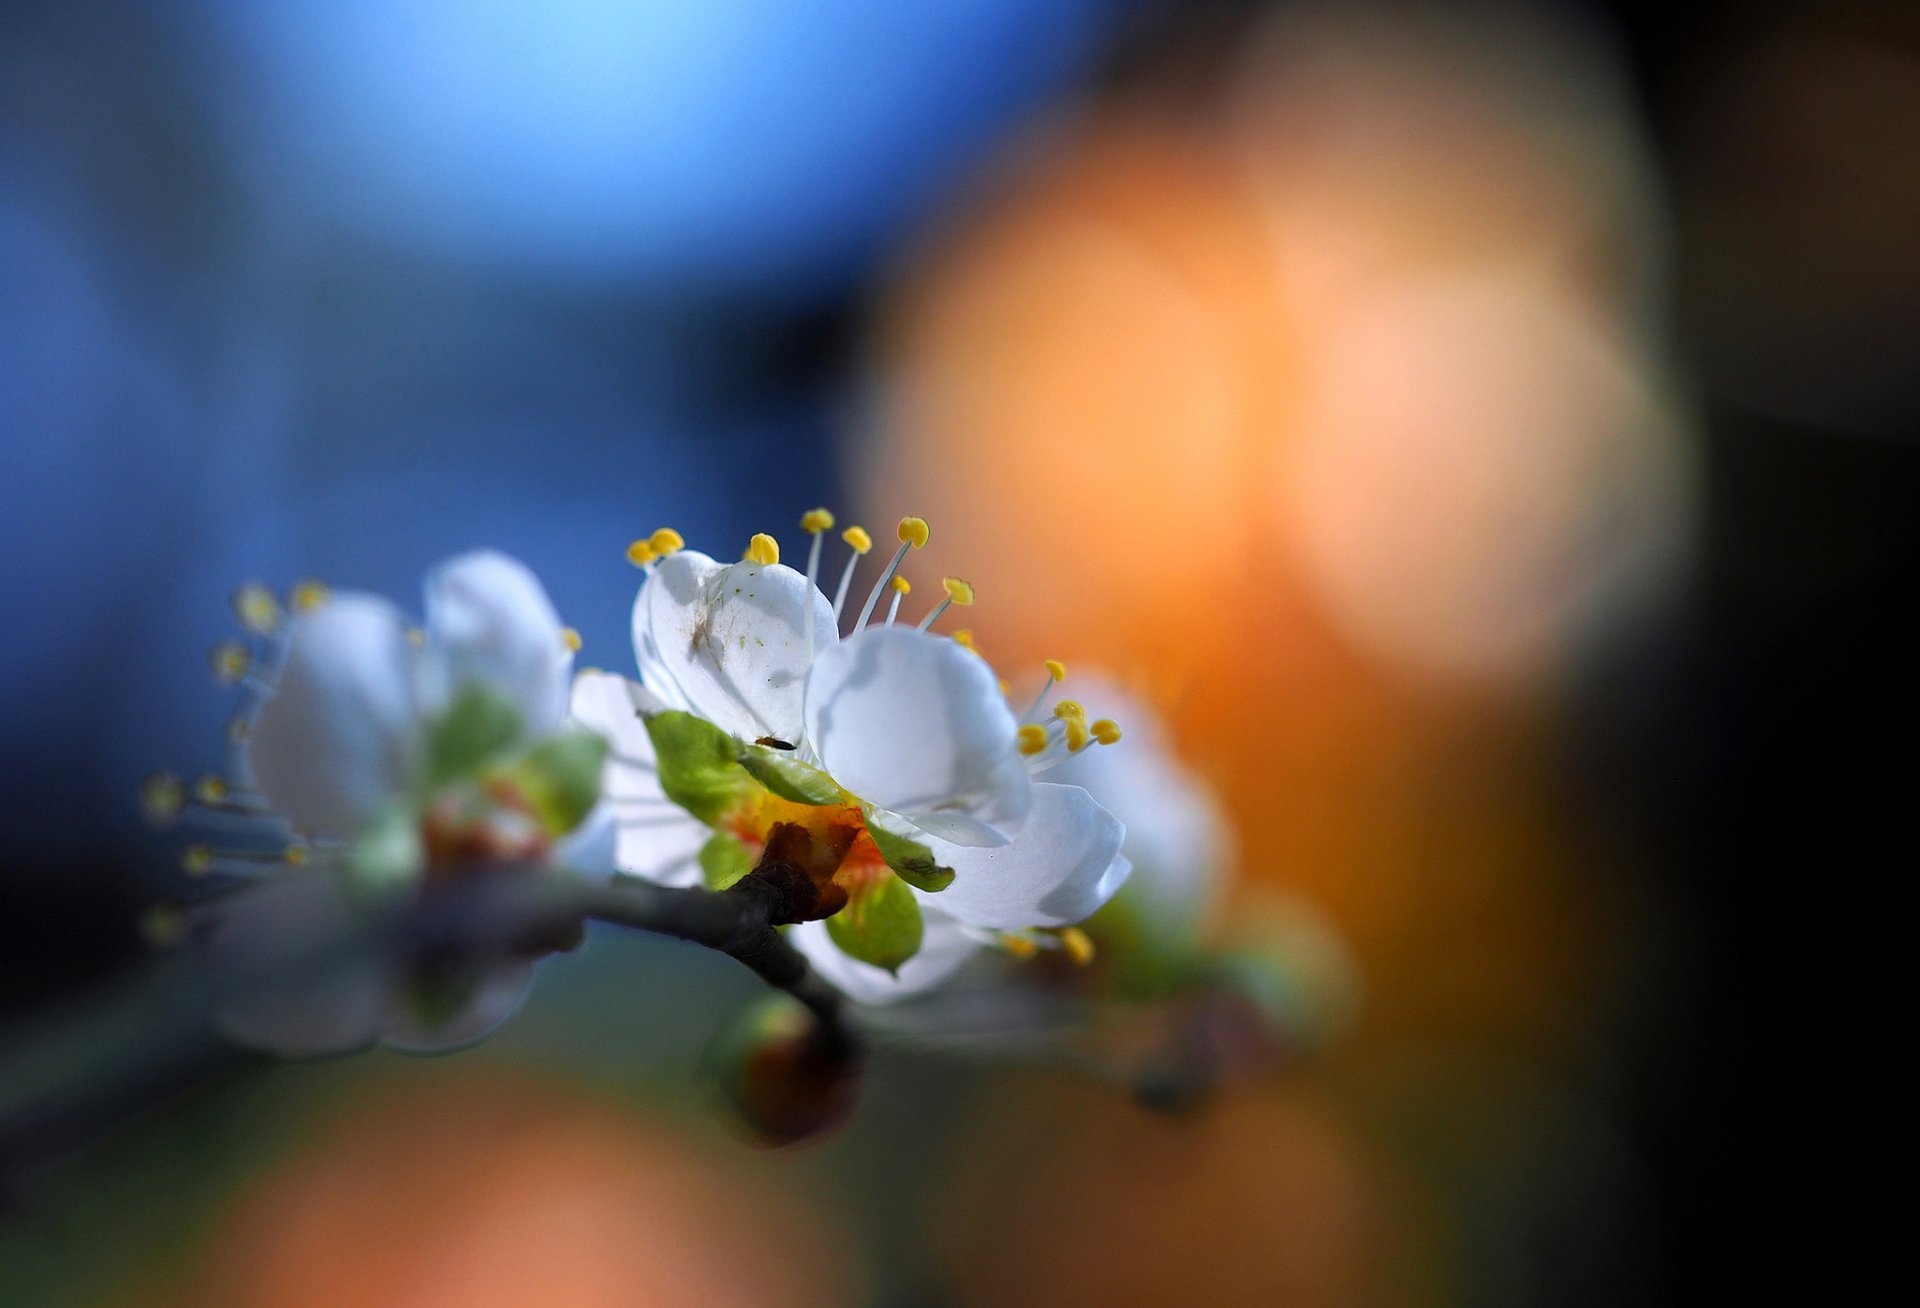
[(561, 778), (479, 725), (880, 924), (723, 861), (789, 778), (909, 858), (388, 853), (699, 764)]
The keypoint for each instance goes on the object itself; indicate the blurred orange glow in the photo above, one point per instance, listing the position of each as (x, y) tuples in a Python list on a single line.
[(1324, 404), (468, 1191), (1264, 1198)]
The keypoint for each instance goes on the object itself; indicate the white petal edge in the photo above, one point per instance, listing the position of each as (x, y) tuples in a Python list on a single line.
[(501, 992), (1054, 873), (728, 641), (916, 725), (945, 948), (655, 839), (490, 621), (339, 735)]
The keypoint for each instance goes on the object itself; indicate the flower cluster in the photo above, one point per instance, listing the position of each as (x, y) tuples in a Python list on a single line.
[(377, 760), (884, 762)]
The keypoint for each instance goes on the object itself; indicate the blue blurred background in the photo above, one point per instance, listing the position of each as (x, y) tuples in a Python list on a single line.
[(1530, 387)]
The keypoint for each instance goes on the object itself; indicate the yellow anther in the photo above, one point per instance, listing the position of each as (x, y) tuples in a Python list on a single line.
[(1033, 738), (162, 796), (1055, 669), (211, 790), (858, 538), (417, 637), (163, 926), (901, 586), (1005, 689), (914, 532), (666, 541), (230, 662), (1069, 710), (571, 639), (1019, 946), (257, 609), (815, 521), (296, 854), (1106, 731), (762, 549), (306, 596), (964, 639), (958, 591), (1078, 737), (641, 552), (1078, 945), (196, 860)]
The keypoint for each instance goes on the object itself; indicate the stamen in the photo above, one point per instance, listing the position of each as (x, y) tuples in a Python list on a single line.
[(571, 639), (1032, 737), (257, 609), (1069, 710), (913, 535), (1106, 731), (1078, 737), (958, 592), (641, 553), (964, 639), (1021, 947), (230, 661), (162, 796), (901, 586), (762, 549), (816, 523), (1056, 673), (860, 542), (196, 860), (211, 790), (1077, 945), (308, 595), (665, 541)]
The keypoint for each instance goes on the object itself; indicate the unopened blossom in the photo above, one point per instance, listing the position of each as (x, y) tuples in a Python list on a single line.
[(893, 746), (401, 758)]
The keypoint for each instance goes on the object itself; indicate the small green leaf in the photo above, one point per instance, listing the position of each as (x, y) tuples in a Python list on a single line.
[(723, 861), (699, 764), (387, 854), (912, 860), (478, 725), (561, 778), (789, 778), (880, 924)]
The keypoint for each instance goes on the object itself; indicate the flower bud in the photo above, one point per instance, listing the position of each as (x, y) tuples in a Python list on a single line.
[(780, 1076)]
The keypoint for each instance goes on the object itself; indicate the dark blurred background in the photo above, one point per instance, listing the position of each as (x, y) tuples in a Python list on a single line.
[(1491, 430)]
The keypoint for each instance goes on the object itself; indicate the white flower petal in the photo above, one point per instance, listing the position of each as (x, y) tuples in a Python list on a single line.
[(656, 839), (247, 936), (728, 641), (944, 949), (502, 990), (489, 621), (340, 734), (1053, 874), (917, 725)]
